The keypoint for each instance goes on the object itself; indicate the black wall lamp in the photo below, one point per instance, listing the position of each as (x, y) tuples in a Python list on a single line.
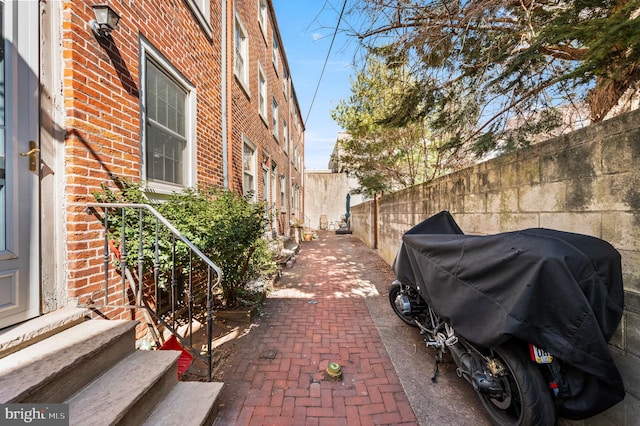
[(106, 20)]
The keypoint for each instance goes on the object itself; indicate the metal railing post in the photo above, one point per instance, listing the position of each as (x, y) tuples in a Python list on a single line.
[(139, 294), (106, 256)]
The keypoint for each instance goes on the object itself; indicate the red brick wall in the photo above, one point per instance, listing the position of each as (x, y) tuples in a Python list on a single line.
[(246, 119), (103, 117), (101, 90)]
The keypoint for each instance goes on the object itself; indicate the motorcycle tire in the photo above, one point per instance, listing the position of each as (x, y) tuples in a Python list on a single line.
[(394, 291), (528, 400)]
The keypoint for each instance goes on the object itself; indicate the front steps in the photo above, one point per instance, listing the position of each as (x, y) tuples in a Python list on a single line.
[(94, 368)]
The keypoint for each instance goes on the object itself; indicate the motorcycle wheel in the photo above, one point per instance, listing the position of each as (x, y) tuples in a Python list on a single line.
[(394, 293), (527, 399)]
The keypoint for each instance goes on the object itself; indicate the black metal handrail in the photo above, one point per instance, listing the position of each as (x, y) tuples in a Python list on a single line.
[(129, 281)]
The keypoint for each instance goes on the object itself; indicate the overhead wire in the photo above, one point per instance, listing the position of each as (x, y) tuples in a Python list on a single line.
[(326, 60)]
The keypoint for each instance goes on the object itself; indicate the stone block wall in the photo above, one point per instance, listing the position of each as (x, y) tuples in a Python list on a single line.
[(586, 182), (325, 194)]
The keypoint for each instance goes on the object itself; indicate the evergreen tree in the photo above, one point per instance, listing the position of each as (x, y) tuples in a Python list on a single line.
[(498, 71)]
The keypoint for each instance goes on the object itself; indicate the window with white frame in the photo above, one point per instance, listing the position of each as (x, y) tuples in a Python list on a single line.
[(169, 102), (262, 16), (283, 193), (285, 135), (294, 205), (249, 170), (274, 118), (285, 82), (276, 51), (262, 94), (241, 53), (265, 184), (274, 187), (274, 195), (202, 11)]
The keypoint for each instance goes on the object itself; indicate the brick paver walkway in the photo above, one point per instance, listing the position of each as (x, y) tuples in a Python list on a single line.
[(317, 315)]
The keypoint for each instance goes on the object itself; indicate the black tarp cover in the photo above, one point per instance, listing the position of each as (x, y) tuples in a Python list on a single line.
[(558, 290)]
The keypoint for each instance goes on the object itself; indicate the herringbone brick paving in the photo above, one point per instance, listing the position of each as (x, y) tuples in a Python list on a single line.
[(317, 315)]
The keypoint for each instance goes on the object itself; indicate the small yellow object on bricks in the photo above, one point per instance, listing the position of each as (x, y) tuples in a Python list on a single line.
[(334, 371)]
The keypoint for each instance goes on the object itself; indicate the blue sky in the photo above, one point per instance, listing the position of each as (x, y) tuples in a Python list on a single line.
[(306, 28)]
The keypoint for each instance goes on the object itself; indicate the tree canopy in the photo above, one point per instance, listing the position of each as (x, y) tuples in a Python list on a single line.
[(381, 155), (500, 71)]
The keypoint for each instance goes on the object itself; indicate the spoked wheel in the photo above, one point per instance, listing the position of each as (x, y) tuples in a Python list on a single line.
[(401, 301), (526, 399)]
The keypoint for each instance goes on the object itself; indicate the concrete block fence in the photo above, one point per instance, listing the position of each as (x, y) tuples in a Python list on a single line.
[(587, 182)]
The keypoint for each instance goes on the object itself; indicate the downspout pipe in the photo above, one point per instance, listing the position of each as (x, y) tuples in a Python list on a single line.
[(224, 98), (375, 221)]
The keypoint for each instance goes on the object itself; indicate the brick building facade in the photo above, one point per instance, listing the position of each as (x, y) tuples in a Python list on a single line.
[(266, 123), (184, 93)]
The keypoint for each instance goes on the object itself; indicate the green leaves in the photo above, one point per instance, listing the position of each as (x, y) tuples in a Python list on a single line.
[(487, 67), (387, 147), (223, 225)]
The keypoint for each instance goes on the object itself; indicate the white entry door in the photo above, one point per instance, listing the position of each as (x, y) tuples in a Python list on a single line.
[(19, 161)]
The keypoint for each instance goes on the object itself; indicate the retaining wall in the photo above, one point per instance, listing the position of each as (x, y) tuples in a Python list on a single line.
[(587, 182)]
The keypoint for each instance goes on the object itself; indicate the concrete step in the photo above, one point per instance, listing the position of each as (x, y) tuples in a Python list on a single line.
[(55, 368), (93, 366), (127, 393), (14, 338), (188, 404)]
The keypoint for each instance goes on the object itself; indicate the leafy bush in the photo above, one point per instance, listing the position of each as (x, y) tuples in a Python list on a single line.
[(226, 227)]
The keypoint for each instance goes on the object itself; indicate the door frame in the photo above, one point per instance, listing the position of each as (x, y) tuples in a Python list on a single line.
[(22, 123)]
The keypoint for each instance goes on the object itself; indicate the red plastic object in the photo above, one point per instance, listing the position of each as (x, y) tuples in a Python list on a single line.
[(185, 359)]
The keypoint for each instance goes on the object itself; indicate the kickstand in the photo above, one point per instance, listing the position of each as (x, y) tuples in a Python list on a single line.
[(434, 379)]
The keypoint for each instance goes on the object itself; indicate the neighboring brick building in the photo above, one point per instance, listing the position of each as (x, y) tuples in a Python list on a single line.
[(267, 128), (182, 93)]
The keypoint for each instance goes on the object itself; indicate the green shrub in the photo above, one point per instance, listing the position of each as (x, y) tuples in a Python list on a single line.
[(226, 227)]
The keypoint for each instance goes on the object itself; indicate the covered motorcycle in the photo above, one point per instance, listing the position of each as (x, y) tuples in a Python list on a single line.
[(554, 290)]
